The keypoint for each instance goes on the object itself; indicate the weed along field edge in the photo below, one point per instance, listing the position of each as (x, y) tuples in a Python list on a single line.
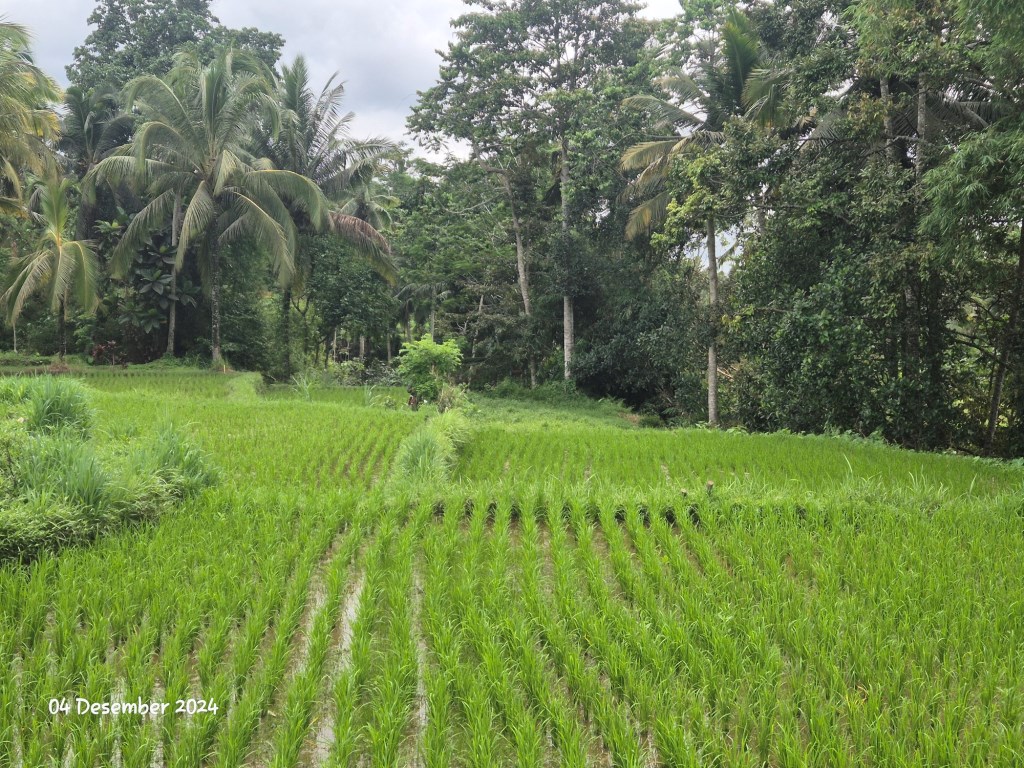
[(349, 583)]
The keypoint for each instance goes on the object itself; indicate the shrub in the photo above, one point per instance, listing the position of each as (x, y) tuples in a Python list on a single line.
[(55, 489), (450, 397), (15, 390), (66, 468), (426, 366)]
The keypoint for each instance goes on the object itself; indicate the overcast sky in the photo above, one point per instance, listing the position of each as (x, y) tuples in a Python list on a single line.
[(384, 50)]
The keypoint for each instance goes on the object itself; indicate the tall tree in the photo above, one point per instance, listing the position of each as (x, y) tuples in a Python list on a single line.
[(522, 73), (134, 37), (27, 118), (728, 82), (313, 139), (92, 127), (191, 150), (62, 267)]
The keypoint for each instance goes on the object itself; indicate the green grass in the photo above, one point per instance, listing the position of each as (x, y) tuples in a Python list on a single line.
[(565, 590)]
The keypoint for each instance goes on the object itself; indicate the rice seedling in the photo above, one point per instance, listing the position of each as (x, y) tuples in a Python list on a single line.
[(563, 591)]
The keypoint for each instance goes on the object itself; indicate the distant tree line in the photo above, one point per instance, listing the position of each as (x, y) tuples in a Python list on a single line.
[(804, 216)]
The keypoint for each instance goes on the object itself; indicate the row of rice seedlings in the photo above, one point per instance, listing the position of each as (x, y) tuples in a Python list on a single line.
[(254, 699), (727, 652), (574, 452), (100, 576), (489, 592), (527, 661), (305, 685), (613, 720), (351, 688), (938, 605), (209, 675), (458, 698), (643, 662), (811, 677), (248, 439), (843, 701), (393, 688), (637, 662), (229, 652)]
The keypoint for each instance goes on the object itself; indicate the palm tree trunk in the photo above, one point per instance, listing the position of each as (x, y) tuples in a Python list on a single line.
[(286, 329), (62, 326), (172, 313), (1011, 341), (713, 343), (568, 313), (215, 307)]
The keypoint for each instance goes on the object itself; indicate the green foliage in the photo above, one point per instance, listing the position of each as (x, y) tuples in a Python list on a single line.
[(136, 37), (52, 403), (426, 366), (58, 488), (430, 455), (57, 403)]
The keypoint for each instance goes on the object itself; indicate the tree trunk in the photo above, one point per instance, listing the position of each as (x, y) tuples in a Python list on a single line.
[(172, 313), (890, 128), (286, 329), (362, 347), (568, 313), (713, 343), (389, 349), (1011, 341), (62, 326), (922, 131), (522, 265), (433, 303), (215, 307)]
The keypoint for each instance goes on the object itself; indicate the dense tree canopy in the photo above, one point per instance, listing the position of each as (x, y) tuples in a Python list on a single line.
[(802, 216)]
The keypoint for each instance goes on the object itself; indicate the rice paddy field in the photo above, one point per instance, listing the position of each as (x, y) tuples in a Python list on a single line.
[(574, 592)]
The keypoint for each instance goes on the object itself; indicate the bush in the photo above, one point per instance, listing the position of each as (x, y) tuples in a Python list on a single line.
[(450, 397), (39, 522), (349, 373), (426, 366)]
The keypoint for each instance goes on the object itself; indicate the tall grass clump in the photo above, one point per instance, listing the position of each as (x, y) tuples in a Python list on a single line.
[(174, 459), (47, 403), (431, 453), (56, 404), (58, 487)]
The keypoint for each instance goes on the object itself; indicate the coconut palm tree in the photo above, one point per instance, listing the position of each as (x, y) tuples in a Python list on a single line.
[(61, 267), (27, 121), (191, 156), (92, 127), (731, 81), (314, 141)]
